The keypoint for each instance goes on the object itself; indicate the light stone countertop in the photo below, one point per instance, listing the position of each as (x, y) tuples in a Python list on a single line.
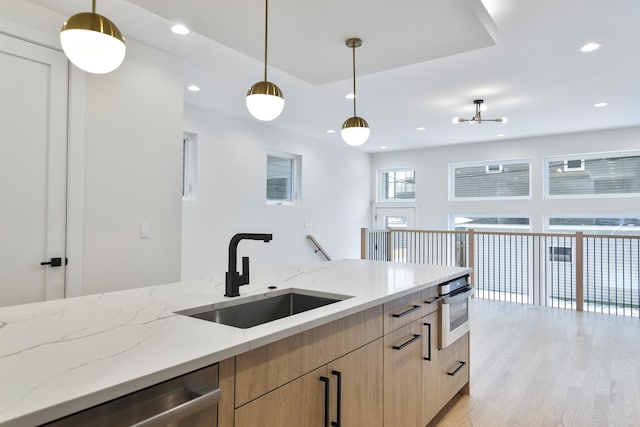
[(59, 357)]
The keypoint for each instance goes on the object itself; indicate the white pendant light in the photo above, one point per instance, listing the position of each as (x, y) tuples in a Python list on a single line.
[(92, 42), (355, 130), (264, 100)]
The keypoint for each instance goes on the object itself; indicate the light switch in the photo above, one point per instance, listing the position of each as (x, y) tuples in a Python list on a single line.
[(144, 230)]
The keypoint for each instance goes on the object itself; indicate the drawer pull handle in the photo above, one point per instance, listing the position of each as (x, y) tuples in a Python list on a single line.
[(325, 380), (339, 396), (460, 366), (404, 313), (428, 325), (415, 338)]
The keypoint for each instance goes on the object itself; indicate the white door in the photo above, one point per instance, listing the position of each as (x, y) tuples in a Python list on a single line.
[(33, 155), (397, 218)]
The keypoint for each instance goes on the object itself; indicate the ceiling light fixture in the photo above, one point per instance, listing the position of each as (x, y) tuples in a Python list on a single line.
[(478, 116), (92, 42), (355, 130), (600, 104), (350, 96), (590, 47), (265, 100), (179, 29), (193, 88), (331, 131), (421, 128)]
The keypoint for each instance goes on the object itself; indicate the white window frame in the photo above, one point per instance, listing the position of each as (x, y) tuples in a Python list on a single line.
[(380, 188), (296, 179), (487, 164), (452, 217), (547, 220), (189, 166), (583, 157)]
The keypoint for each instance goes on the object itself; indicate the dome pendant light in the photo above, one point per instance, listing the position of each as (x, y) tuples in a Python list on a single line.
[(264, 100), (355, 130), (92, 42)]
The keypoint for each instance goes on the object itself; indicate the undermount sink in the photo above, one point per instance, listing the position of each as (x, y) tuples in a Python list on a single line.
[(264, 308)]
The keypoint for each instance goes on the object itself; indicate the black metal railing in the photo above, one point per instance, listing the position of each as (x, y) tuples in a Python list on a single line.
[(597, 273)]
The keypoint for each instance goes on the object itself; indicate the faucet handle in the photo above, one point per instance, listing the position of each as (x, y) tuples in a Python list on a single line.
[(244, 278)]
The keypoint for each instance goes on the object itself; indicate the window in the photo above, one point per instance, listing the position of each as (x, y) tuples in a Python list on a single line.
[(490, 180), (596, 225), (189, 166), (283, 178), (601, 175), (490, 223), (397, 185)]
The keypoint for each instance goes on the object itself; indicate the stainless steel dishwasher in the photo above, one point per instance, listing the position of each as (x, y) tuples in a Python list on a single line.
[(189, 400)]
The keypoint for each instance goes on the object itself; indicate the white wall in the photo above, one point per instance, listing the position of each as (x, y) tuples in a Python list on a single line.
[(232, 158), (132, 172), (431, 167)]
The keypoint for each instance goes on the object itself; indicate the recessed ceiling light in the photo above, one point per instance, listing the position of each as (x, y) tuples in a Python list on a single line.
[(421, 128), (600, 104), (350, 96), (193, 88), (331, 131), (500, 134), (179, 29), (383, 147), (590, 47)]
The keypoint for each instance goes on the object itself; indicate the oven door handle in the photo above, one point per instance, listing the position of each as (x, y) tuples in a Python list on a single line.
[(458, 297)]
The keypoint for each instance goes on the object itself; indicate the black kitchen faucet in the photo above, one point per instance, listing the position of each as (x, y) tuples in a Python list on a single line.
[(234, 279)]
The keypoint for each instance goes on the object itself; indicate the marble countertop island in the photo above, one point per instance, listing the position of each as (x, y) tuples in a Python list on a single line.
[(59, 357)]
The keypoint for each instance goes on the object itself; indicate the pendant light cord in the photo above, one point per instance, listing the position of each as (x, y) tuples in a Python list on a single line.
[(266, 29), (353, 49), (93, 7)]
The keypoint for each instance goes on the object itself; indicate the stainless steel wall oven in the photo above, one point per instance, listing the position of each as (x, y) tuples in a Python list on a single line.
[(454, 310)]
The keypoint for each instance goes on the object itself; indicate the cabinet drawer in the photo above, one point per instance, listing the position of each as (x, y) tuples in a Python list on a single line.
[(454, 366), (402, 311), (427, 295), (402, 379)]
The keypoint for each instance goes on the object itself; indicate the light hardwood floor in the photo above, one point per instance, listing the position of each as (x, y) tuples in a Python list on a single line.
[(535, 366)]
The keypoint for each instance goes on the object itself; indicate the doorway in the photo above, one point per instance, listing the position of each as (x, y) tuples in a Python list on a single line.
[(33, 171)]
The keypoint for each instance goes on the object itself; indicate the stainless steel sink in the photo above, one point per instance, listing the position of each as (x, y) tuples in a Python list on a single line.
[(257, 310)]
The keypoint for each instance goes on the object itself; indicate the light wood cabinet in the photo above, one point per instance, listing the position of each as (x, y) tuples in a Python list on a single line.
[(361, 384), (263, 369), (298, 403), (454, 368), (402, 376), (350, 388)]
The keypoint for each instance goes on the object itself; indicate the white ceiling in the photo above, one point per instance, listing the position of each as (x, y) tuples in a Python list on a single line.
[(422, 62)]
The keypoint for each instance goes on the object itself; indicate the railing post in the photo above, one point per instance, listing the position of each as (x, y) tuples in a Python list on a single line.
[(363, 243), (471, 259), (579, 271), (389, 246)]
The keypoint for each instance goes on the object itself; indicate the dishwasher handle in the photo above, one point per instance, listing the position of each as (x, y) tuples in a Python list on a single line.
[(206, 396)]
